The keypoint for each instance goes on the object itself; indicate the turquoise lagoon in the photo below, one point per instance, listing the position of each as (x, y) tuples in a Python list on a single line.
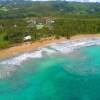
[(63, 71)]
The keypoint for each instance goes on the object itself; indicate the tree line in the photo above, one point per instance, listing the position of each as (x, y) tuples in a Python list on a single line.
[(13, 31)]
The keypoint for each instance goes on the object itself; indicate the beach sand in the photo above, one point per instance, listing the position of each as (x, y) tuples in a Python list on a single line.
[(27, 46)]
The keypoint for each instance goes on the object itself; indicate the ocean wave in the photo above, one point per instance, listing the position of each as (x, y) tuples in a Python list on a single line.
[(10, 65), (69, 46)]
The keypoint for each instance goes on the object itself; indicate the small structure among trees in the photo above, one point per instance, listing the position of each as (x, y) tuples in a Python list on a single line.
[(27, 38), (1, 26), (32, 22)]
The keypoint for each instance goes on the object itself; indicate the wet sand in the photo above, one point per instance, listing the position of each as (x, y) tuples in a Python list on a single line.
[(27, 46)]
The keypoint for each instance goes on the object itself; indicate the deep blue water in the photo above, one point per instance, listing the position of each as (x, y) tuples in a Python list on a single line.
[(75, 76)]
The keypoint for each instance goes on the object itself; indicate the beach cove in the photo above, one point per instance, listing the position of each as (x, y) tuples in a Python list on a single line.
[(69, 70), (28, 46)]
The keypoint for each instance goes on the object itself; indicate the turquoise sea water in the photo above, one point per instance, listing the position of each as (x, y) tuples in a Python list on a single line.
[(75, 76)]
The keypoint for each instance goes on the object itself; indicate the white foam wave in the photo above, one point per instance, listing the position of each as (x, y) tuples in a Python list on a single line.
[(10, 65), (18, 60), (66, 47)]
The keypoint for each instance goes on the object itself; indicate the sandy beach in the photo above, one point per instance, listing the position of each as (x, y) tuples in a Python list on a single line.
[(27, 46)]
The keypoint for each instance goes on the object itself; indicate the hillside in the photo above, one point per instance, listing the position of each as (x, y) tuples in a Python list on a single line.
[(21, 9)]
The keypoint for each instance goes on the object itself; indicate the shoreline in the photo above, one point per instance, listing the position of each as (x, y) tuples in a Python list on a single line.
[(28, 46)]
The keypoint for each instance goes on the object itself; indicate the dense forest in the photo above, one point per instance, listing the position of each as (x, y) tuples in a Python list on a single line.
[(17, 20), (21, 9)]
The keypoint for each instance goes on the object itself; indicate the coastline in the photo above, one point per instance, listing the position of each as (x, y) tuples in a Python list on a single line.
[(28, 46)]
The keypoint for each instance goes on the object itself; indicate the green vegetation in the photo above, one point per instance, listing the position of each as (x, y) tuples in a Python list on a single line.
[(70, 19), (67, 27), (12, 9)]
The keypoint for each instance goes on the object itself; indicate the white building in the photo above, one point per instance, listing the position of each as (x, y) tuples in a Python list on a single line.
[(27, 38)]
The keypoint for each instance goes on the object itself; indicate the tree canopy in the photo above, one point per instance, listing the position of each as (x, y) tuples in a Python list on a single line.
[(15, 9)]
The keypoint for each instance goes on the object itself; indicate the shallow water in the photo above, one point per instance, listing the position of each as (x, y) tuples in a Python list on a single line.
[(56, 75)]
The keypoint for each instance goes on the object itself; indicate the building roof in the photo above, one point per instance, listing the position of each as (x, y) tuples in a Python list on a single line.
[(27, 38)]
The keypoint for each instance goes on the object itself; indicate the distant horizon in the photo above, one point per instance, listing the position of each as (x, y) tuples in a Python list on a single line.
[(72, 0)]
